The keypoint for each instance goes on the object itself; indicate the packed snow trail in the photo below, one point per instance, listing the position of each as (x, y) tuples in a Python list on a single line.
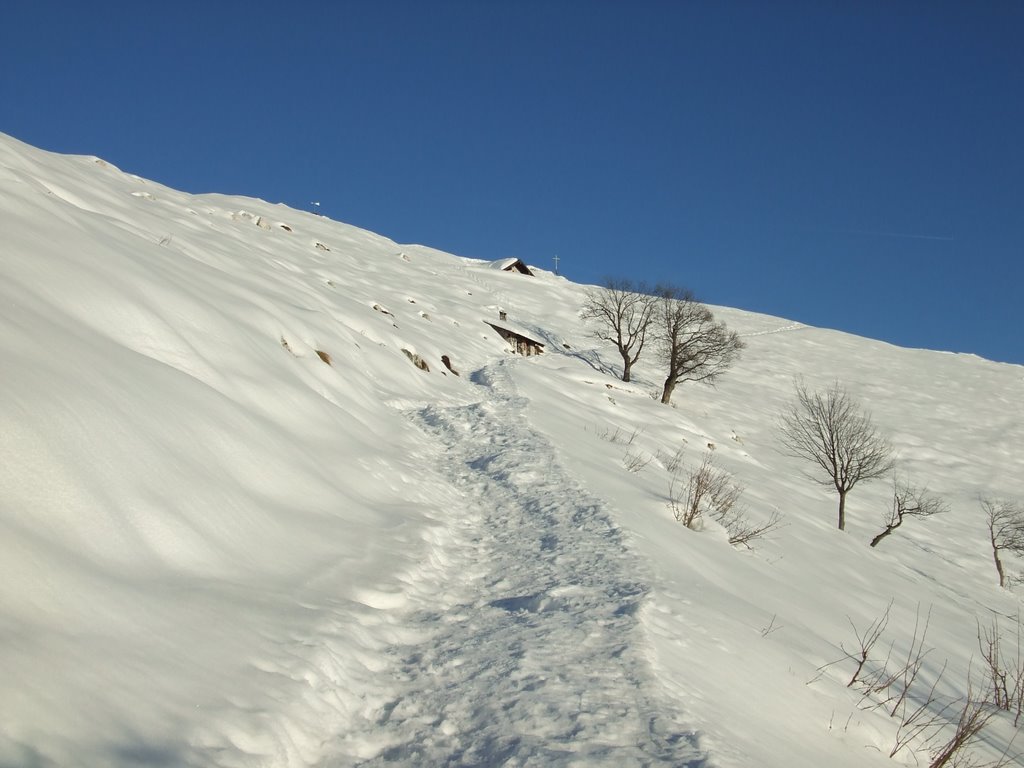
[(531, 658)]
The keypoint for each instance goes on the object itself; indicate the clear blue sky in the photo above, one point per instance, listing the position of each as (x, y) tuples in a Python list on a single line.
[(855, 165)]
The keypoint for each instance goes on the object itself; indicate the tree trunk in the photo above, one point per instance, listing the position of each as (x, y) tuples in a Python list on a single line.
[(666, 392), (882, 535), (999, 565), (626, 366), (842, 510)]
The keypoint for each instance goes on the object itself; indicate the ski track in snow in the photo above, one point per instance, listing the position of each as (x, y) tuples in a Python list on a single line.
[(533, 655)]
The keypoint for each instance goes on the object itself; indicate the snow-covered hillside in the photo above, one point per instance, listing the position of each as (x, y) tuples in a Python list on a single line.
[(240, 526)]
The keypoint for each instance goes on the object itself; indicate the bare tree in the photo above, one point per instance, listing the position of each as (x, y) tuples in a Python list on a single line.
[(1005, 530), (833, 431), (624, 313), (694, 346), (908, 501)]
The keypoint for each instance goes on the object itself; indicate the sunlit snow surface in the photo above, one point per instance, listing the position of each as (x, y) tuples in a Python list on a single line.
[(216, 549)]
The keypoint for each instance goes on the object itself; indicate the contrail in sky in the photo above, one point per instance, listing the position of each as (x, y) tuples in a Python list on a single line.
[(879, 233), (899, 234)]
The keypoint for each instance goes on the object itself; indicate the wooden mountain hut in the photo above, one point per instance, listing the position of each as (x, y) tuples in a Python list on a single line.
[(521, 343)]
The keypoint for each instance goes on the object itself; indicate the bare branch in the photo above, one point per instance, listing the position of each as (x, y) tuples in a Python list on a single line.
[(866, 641), (905, 676), (742, 532), (975, 714), (915, 722)]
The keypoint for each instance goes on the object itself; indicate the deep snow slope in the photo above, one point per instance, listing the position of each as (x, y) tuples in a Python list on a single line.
[(240, 527)]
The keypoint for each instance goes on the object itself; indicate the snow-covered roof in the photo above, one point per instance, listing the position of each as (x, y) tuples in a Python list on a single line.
[(511, 263), (504, 325)]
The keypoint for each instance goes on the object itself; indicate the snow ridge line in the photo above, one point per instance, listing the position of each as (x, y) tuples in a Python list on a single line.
[(532, 656)]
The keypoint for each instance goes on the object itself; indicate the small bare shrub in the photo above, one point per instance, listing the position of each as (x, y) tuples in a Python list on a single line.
[(635, 462), (1005, 668), (923, 718), (677, 503), (709, 490), (871, 673), (771, 626), (619, 435), (920, 719), (741, 531), (866, 642), (975, 713), (632, 436), (691, 495), (671, 461), (900, 682)]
